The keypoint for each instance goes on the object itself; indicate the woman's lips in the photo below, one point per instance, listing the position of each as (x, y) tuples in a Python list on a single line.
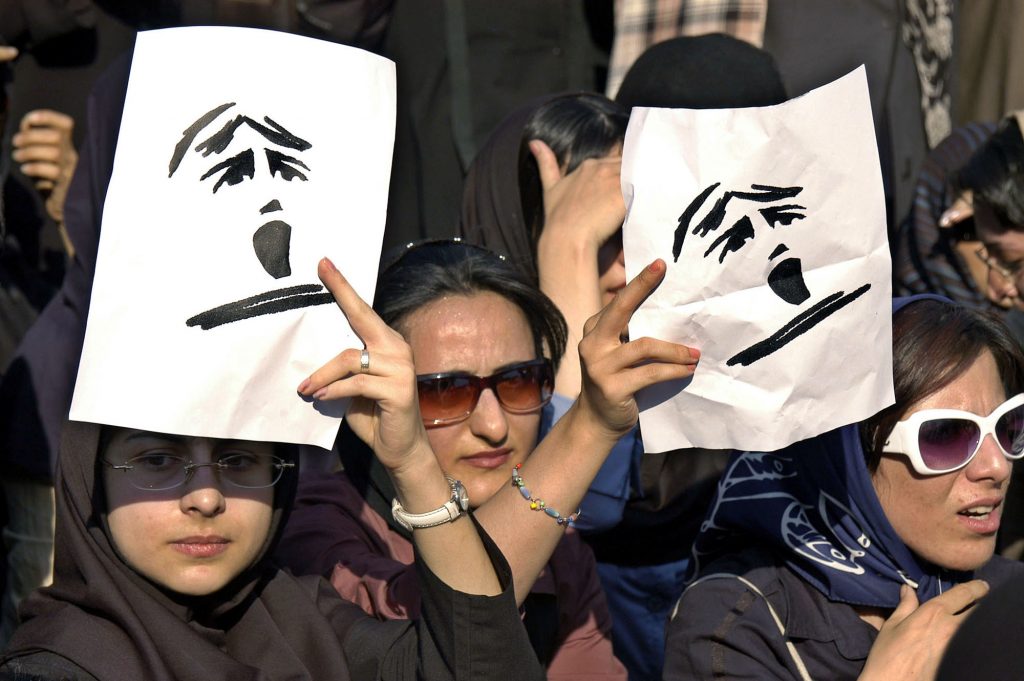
[(982, 516), (201, 547), (492, 458)]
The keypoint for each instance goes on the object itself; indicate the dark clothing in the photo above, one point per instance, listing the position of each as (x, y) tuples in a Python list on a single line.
[(988, 644), (462, 66), (36, 392), (264, 624), (467, 636), (44, 667), (925, 259), (814, 43), (723, 629), (335, 533)]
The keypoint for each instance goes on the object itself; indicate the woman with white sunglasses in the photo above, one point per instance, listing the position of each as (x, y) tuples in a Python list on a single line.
[(857, 554)]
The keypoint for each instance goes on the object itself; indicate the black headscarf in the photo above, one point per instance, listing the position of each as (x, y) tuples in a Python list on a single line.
[(492, 210), (115, 624), (713, 71)]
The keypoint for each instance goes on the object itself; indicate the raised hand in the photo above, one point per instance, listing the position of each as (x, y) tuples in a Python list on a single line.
[(583, 211), (44, 148), (614, 369), (384, 411), (585, 206)]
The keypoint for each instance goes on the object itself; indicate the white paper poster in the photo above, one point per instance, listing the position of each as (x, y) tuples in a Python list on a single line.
[(772, 223), (244, 156)]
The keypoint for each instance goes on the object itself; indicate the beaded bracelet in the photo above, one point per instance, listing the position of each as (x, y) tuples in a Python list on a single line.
[(538, 504)]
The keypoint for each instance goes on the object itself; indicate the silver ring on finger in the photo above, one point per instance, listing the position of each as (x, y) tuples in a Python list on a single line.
[(364, 361)]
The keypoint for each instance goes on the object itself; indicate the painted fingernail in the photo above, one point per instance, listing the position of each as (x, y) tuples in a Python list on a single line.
[(330, 265), (302, 386), (320, 394), (656, 266)]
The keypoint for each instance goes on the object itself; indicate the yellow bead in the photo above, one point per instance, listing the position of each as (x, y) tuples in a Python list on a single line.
[(533, 505)]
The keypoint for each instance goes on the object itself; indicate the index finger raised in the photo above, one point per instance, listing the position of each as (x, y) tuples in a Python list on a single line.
[(361, 316), (616, 315)]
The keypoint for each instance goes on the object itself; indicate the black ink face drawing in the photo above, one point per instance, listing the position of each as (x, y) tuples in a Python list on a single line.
[(279, 160), (786, 278)]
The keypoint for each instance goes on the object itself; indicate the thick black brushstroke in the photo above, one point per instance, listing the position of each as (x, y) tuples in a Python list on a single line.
[(190, 133), (799, 325), (763, 193), (686, 217), (779, 250), (734, 237), (786, 280), (272, 207), (272, 244), (773, 215), (218, 141), (766, 193), (271, 302), (236, 168), (278, 164)]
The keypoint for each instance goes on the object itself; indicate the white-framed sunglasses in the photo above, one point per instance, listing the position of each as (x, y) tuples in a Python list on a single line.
[(944, 440)]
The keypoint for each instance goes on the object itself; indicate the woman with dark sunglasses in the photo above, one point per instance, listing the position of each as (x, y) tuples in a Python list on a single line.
[(858, 553), (485, 344), (163, 566)]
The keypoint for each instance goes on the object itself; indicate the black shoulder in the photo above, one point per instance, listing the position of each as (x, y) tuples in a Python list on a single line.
[(999, 570), (43, 666)]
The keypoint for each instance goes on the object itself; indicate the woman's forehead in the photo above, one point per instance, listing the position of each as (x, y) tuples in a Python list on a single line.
[(128, 436)]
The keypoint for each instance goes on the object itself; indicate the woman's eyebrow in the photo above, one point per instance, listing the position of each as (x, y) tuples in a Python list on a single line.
[(149, 435)]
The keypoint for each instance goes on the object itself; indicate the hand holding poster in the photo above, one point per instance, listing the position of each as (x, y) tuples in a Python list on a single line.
[(772, 223), (238, 167)]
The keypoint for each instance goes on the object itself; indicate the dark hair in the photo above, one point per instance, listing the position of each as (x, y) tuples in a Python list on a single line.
[(576, 127), (933, 343), (995, 175), (712, 71), (424, 273)]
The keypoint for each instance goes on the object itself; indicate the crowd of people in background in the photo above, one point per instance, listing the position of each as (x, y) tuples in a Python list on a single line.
[(502, 293)]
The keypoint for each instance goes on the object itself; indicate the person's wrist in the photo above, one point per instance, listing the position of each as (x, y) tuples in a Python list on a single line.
[(420, 484), (587, 425), (567, 241)]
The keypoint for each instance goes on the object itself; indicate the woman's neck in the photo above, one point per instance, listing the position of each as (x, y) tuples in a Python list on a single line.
[(874, 616)]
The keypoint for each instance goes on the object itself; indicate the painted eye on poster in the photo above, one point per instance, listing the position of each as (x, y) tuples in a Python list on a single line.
[(276, 159), (786, 278)]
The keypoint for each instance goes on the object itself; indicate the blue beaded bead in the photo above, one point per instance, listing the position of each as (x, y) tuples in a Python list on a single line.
[(551, 512), (525, 492)]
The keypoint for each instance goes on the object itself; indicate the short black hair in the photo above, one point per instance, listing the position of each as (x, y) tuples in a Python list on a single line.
[(421, 274), (576, 127), (933, 343), (995, 175)]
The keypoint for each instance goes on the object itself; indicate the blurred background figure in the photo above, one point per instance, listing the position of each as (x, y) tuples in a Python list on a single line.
[(55, 49)]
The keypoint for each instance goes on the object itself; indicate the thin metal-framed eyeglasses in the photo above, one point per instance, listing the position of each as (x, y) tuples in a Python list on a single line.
[(1010, 273), (158, 471)]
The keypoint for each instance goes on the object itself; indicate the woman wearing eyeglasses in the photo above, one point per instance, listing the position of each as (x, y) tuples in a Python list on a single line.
[(162, 566), (485, 344), (856, 554)]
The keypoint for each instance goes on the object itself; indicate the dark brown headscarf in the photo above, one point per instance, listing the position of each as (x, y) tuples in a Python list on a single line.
[(116, 624), (492, 210)]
